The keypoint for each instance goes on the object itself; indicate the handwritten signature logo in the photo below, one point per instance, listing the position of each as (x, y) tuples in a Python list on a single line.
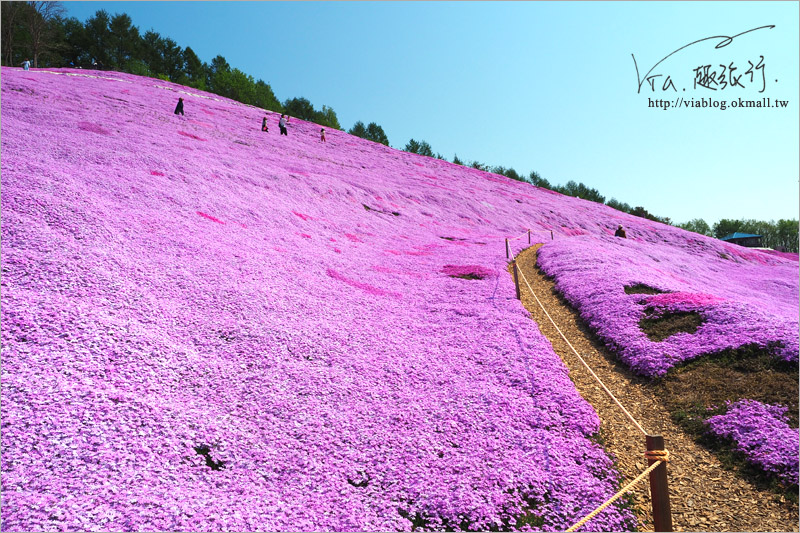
[(704, 76)]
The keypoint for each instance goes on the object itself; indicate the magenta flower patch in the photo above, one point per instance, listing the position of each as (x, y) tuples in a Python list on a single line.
[(209, 217), (92, 127), (762, 433), (741, 301), (191, 136), (466, 271)]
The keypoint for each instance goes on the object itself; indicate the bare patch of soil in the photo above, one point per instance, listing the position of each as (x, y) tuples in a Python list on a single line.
[(659, 328), (641, 288)]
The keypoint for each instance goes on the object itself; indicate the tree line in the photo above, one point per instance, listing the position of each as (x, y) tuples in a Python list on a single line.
[(780, 235), (39, 31)]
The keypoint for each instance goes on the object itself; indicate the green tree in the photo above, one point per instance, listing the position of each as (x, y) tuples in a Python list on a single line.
[(359, 130), (640, 211), (697, 225), (12, 22), (725, 227), (125, 43), (619, 206), (150, 51), (421, 148), (375, 133), (300, 108), (266, 99), (457, 161), (193, 72), (507, 172), (479, 166), (219, 71), (98, 37), (327, 117), (41, 18), (539, 181), (76, 43), (787, 235), (579, 190)]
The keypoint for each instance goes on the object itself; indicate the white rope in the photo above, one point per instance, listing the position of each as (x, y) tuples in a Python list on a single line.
[(579, 356)]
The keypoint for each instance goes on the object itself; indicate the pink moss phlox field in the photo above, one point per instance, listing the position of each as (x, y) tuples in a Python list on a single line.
[(203, 329), (743, 298), (762, 433)]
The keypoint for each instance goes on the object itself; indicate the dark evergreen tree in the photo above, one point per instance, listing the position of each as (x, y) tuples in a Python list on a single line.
[(539, 181), (697, 225), (265, 98), (327, 117), (359, 130), (375, 133), (726, 227), (421, 148), (619, 206), (300, 108), (125, 43), (98, 36), (41, 17), (194, 69), (14, 33)]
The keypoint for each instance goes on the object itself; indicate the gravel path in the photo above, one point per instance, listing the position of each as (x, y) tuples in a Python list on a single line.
[(704, 496)]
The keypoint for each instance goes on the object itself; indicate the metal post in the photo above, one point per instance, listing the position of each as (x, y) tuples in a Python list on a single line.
[(516, 278), (529, 236), (508, 253), (659, 490), (551, 235)]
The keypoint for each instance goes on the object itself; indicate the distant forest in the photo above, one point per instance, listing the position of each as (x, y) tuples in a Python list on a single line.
[(40, 32)]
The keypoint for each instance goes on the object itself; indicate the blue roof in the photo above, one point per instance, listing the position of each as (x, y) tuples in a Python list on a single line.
[(738, 235)]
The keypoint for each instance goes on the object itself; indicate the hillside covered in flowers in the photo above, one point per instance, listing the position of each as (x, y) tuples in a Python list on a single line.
[(210, 327)]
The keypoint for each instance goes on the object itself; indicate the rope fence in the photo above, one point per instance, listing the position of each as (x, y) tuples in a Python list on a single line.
[(622, 491), (656, 454), (528, 234)]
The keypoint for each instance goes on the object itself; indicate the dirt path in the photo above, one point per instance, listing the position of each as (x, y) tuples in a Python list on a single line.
[(704, 496)]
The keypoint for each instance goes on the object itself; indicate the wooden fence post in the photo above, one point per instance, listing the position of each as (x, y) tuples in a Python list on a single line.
[(508, 253), (529, 236), (659, 489), (551, 235), (516, 278)]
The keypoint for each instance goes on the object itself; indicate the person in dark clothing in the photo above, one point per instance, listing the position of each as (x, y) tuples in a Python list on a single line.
[(264, 126), (620, 232), (179, 107), (322, 135), (282, 125)]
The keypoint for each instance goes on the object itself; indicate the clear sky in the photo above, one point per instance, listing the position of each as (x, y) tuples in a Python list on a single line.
[(544, 86)]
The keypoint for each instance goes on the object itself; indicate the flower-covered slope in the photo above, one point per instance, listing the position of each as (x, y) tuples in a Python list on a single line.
[(207, 327), (742, 297)]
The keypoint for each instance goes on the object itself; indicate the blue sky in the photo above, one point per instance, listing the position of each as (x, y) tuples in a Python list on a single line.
[(544, 86)]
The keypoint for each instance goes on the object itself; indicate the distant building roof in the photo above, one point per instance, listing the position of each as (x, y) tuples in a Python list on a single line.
[(738, 235)]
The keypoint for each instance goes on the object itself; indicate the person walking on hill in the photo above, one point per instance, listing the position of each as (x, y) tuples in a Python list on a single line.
[(621, 232), (264, 126), (322, 135), (282, 125), (179, 107)]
